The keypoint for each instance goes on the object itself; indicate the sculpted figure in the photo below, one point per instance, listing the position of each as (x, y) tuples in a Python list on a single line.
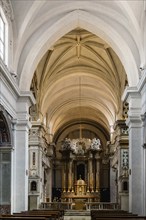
[(95, 144)]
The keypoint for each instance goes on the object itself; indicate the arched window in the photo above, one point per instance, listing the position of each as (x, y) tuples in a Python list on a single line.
[(3, 37)]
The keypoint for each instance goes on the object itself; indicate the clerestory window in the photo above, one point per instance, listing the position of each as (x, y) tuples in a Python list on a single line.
[(3, 37)]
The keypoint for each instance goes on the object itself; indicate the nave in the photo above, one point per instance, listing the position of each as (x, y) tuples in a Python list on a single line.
[(72, 106)]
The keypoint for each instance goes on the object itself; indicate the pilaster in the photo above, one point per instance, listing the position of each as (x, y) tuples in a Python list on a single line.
[(40, 172), (134, 122), (20, 155), (122, 157)]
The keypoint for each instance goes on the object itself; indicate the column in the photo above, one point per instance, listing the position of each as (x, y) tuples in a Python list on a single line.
[(90, 169), (20, 156), (97, 172), (143, 116), (49, 185), (70, 175), (113, 185), (63, 177), (135, 152)]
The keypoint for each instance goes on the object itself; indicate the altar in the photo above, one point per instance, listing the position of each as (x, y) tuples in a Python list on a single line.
[(80, 201), (80, 171)]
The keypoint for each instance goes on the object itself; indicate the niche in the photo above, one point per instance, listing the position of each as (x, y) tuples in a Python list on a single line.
[(81, 171), (125, 186), (33, 186)]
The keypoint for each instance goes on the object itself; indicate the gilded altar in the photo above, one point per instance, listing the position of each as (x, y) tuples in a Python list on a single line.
[(81, 170), (80, 187)]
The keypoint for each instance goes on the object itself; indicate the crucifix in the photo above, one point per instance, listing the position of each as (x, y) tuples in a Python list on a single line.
[(80, 127), (78, 46)]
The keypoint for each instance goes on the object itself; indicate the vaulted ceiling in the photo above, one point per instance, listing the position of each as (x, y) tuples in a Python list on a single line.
[(74, 54), (80, 78)]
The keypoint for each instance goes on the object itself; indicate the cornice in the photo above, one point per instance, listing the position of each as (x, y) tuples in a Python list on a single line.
[(135, 91), (12, 83), (10, 80)]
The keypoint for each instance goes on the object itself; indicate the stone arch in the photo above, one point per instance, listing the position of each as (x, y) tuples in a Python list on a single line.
[(5, 161), (5, 131), (85, 20)]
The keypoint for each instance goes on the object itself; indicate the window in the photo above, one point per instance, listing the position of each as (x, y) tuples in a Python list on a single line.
[(3, 37)]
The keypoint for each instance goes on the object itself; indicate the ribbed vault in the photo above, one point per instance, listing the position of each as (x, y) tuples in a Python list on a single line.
[(74, 55), (79, 78)]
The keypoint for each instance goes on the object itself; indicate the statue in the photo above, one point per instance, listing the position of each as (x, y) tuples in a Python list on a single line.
[(95, 144), (80, 147), (66, 144)]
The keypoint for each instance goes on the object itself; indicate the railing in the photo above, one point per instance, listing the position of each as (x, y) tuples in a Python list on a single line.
[(102, 205), (56, 205), (88, 205)]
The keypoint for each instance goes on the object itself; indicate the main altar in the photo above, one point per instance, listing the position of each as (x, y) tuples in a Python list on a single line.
[(80, 171)]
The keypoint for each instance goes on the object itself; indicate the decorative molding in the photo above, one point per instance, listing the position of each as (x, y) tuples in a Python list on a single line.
[(125, 130), (2, 109), (125, 159), (7, 8)]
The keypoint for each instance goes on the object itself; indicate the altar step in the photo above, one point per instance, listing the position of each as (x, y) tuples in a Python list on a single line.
[(76, 213)]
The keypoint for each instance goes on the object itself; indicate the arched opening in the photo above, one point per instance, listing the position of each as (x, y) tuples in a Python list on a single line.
[(77, 61), (3, 37), (78, 93), (81, 171), (5, 166), (33, 186)]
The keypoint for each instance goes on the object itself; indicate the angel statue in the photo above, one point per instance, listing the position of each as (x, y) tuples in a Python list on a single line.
[(95, 144)]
